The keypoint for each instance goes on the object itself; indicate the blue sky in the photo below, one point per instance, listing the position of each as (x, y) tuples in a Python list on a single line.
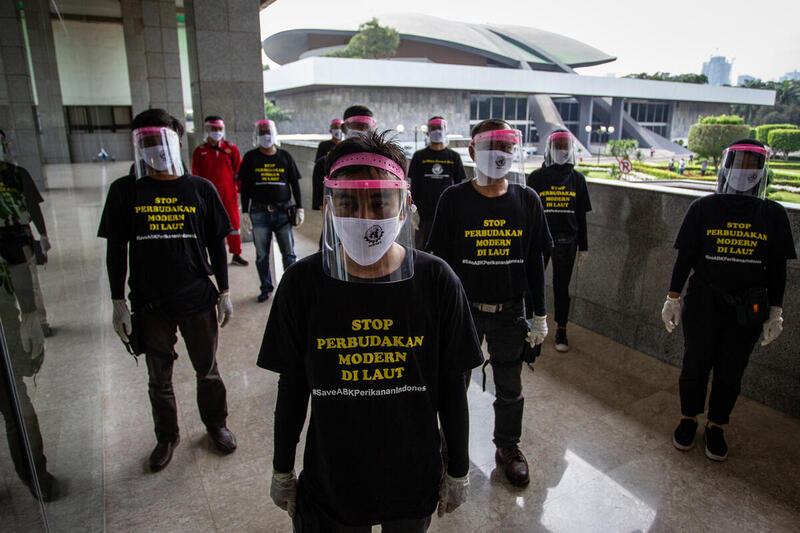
[(645, 35)]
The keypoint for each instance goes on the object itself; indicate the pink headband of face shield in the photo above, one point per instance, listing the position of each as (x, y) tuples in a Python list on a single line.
[(362, 119), (511, 136), (747, 148), (560, 135), (215, 123), (369, 160), (438, 122), (263, 123), (152, 131), (336, 123)]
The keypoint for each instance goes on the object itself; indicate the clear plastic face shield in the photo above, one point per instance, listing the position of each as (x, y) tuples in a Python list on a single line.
[(214, 130), (336, 129), (357, 125), (157, 150), (265, 134), (560, 149), (437, 131), (497, 155), (367, 234), (743, 171)]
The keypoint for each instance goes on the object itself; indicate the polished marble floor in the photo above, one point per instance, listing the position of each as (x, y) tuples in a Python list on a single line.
[(597, 426)]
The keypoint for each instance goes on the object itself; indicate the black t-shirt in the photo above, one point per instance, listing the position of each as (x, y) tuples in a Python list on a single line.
[(565, 199), (269, 179), (733, 239), (317, 185), (373, 356), (489, 241), (431, 172), (168, 225), (324, 148)]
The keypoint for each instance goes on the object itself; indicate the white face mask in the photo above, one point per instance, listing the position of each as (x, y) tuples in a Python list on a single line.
[(437, 136), (156, 157), (265, 141), (215, 135), (337, 134), (365, 240), (493, 164), (744, 179), (352, 132), (561, 157)]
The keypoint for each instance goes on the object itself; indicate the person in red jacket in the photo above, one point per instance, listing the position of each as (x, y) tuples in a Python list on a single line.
[(218, 161)]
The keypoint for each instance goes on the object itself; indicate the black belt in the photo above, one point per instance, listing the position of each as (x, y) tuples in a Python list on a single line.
[(495, 308), (258, 206)]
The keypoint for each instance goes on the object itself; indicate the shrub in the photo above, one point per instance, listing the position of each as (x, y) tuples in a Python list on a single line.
[(785, 140), (722, 119), (712, 135), (762, 132)]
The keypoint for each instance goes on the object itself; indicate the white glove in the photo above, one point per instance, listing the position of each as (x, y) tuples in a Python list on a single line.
[(301, 216), (452, 493), (122, 319), (45, 243), (246, 223), (671, 313), (538, 330), (414, 218), (283, 491), (773, 327), (224, 308), (583, 255), (31, 334)]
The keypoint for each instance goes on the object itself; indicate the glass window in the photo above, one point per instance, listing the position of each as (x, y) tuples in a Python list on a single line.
[(122, 116), (78, 118), (497, 107), (102, 117), (473, 108), (511, 108), (522, 108), (484, 110)]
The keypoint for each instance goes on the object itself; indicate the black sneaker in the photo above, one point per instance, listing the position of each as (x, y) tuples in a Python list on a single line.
[(239, 260), (561, 340), (716, 447), (263, 297), (683, 438)]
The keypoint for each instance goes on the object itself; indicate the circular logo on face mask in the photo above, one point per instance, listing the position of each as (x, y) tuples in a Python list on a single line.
[(373, 235), (437, 169), (500, 163), (163, 156)]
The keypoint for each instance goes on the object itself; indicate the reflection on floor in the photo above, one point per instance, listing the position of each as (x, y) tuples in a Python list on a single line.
[(597, 428)]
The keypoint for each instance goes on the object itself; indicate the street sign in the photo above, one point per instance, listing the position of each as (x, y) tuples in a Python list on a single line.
[(625, 166)]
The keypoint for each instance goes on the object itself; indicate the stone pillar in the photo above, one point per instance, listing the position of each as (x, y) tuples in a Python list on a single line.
[(16, 95), (55, 148), (617, 107), (585, 119), (224, 44), (151, 44)]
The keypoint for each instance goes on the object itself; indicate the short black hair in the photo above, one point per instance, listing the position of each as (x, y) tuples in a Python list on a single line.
[(559, 130), (482, 125), (212, 118), (157, 117), (357, 111), (752, 142), (371, 142), (434, 117)]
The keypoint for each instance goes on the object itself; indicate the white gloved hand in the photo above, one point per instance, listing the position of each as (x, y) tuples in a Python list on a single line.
[(414, 218), (31, 334), (538, 330), (224, 308), (452, 493), (671, 313), (283, 491), (45, 243), (121, 319), (773, 327), (301, 216), (246, 223), (583, 255)]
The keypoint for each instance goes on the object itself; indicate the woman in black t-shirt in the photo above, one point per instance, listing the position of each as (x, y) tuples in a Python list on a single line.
[(737, 244)]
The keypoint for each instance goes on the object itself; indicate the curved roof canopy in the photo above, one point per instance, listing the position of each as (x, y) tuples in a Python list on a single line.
[(448, 42)]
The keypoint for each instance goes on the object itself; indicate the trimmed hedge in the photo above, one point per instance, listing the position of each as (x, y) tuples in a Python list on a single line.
[(762, 132), (785, 140)]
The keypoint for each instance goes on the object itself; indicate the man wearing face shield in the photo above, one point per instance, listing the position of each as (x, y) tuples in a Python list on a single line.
[(170, 223), (379, 335), (336, 137), (432, 170), (358, 120), (493, 234), (736, 244), (218, 161), (565, 199), (318, 173), (269, 179)]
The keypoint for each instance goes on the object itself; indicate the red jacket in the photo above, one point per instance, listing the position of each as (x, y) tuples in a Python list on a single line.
[(219, 165)]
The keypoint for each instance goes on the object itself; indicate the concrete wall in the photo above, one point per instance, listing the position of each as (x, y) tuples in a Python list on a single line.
[(684, 114), (313, 110), (84, 147), (620, 290)]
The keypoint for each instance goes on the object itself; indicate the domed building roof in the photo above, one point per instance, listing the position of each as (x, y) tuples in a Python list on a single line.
[(437, 40)]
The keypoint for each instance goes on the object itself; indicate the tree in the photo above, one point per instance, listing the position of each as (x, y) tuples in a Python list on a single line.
[(372, 41), (666, 76), (763, 131), (711, 135), (273, 112), (786, 108), (622, 148), (786, 140)]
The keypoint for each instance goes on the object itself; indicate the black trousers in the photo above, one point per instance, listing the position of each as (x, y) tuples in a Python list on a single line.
[(309, 519), (504, 340), (713, 340), (563, 255), (199, 331)]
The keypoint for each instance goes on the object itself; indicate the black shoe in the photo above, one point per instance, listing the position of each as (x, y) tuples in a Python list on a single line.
[(162, 454), (263, 297), (514, 465), (683, 438), (716, 447), (561, 340), (223, 439), (239, 260)]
